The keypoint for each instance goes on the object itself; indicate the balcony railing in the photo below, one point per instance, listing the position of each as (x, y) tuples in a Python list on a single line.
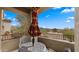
[(69, 38), (11, 36)]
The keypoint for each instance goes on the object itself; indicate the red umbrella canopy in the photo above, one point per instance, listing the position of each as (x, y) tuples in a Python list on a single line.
[(34, 28)]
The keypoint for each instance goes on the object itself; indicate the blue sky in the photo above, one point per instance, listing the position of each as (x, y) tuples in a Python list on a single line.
[(11, 16), (57, 17)]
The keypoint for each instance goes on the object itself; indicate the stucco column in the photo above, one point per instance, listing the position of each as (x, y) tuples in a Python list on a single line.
[(28, 21), (76, 29), (1, 16)]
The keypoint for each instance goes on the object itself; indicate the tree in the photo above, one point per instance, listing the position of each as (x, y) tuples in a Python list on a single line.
[(54, 30), (69, 34), (23, 23)]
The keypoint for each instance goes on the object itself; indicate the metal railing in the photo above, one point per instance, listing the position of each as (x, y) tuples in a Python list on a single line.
[(68, 38)]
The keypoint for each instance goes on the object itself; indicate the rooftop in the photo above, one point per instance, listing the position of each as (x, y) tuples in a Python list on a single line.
[(5, 20)]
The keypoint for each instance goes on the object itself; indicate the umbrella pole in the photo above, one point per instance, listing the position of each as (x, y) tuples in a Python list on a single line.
[(33, 41)]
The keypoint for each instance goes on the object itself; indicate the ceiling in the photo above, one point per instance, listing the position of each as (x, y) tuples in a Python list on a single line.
[(30, 8), (23, 10)]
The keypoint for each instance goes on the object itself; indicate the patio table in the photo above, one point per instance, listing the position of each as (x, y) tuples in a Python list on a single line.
[(38, 47)]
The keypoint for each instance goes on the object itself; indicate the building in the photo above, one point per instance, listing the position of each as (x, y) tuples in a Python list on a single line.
[(5, 26)]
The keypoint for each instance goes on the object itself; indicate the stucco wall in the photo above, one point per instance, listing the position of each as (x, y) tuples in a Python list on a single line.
[(9, 45), (57, 45)]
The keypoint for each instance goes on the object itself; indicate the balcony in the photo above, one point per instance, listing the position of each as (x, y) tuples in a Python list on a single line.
[(11, 43)]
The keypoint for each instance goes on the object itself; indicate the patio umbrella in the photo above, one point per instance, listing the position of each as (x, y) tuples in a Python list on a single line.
[(34, 30)]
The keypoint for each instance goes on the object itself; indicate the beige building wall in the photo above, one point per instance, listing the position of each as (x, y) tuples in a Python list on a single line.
[(7, 27)]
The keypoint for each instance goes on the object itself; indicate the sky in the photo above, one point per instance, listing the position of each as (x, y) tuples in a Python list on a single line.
[(56, 17), (11, 16)]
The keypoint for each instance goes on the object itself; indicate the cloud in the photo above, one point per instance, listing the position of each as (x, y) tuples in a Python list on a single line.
[(14, 19), (47, 15), (56, 7), (67, 10), (67, 21), (70, 18), (8, 17), (15, 23)]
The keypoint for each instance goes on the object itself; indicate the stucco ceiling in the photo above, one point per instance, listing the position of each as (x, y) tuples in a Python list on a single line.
[(24, 10)]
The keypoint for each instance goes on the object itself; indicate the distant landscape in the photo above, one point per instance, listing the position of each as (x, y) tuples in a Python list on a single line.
[(69, 33)]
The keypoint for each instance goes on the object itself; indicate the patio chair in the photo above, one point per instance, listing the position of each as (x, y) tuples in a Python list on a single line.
[(25, 45), (24, 40), (67, 49)]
